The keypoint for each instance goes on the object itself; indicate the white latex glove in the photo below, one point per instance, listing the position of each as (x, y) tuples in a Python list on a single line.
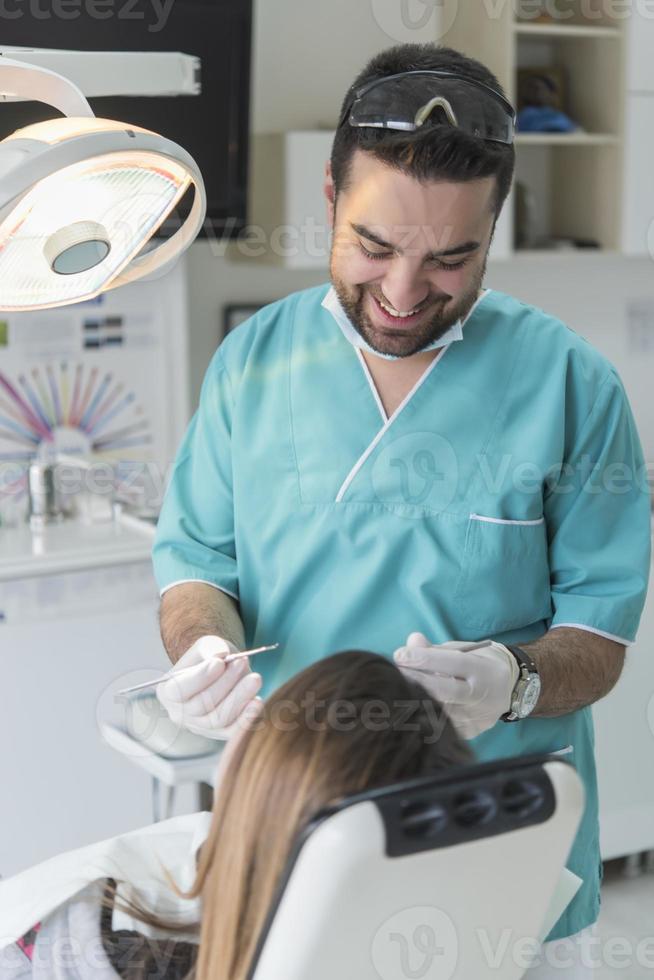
[(213, 699), (475, 686)]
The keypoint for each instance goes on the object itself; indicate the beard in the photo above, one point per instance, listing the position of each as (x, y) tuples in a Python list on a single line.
[(407, 341)]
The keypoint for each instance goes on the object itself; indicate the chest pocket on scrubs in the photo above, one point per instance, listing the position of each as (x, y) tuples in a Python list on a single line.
[(504, 581)]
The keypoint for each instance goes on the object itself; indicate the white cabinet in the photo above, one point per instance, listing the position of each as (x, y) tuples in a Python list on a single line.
[(70, 642), (305, 156), (502, 244), (640, 45), (78, 622), (572, 180), (638, 194), (624, 741), (288, 212)]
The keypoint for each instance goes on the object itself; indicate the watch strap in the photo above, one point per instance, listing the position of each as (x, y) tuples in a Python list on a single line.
[(527, 666), (523, 658)]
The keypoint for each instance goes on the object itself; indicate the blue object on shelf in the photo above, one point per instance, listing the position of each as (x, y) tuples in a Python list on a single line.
[(543, 119)]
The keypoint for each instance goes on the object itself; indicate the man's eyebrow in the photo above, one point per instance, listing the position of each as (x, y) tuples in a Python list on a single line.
[(372, 237)]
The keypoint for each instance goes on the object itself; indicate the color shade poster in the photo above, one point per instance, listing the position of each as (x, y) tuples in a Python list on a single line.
[(90, 380)]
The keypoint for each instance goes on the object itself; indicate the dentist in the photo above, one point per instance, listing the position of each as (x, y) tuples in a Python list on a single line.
[(406, 461)]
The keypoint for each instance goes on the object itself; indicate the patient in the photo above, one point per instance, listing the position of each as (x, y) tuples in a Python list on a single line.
[(346, 724)]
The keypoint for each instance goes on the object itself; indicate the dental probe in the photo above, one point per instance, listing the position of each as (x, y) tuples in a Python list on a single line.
[(174, 675)]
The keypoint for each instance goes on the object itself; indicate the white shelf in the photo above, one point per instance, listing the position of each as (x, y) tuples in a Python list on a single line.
[(576, 192), (72, 546), (563, 253), (567, 139), (566, 30), (560, 252)]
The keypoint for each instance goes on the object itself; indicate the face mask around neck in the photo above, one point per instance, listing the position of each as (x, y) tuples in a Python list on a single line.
[(333, 305)]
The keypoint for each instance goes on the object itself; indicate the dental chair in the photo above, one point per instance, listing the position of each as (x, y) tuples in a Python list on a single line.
[(426, 878)]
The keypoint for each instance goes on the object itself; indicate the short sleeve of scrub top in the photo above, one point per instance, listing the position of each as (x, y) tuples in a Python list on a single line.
[(596, 512), (195, 531)]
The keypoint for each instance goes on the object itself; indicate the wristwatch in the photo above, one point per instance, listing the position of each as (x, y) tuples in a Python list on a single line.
[(527, 688)]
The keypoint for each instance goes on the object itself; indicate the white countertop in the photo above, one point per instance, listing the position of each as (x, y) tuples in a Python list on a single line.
[(73, 546)]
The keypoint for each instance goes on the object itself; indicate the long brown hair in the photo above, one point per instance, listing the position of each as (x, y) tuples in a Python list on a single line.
[(294, 761), (348, 723)]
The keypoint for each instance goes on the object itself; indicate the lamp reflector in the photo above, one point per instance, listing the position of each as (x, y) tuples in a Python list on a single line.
[(127, 193)]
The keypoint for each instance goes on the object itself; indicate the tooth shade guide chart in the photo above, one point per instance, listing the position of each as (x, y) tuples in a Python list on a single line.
[(92, 379)]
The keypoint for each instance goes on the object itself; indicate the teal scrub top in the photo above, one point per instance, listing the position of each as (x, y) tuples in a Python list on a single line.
[(505, 496)]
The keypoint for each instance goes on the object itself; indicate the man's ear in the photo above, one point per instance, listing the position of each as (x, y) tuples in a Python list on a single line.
[(330, 193)]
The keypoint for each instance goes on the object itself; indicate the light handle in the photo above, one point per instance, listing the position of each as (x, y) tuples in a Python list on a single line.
[(26, 81)]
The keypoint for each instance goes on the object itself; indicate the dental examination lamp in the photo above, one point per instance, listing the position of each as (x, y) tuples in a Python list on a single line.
[(80, 196)]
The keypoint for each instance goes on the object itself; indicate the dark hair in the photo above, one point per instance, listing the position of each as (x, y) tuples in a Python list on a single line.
[(437, 153)]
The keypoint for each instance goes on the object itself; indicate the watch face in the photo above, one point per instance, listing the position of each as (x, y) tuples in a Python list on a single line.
[(530, 696)]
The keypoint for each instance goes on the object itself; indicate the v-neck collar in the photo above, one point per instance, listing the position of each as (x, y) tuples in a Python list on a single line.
[(333, 305), (388, 420)]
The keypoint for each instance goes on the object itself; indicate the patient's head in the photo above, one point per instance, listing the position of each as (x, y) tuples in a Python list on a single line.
[(348, 723)]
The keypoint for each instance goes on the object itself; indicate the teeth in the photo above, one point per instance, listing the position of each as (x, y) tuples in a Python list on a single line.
[(394, 312)]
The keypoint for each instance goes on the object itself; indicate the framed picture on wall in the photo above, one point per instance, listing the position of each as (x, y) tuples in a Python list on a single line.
[(235, 313)]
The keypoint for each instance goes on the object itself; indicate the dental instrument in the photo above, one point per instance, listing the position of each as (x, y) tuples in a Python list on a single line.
[(171, 675)]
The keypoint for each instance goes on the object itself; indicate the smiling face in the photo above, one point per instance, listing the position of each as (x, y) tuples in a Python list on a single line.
[(408, 257)]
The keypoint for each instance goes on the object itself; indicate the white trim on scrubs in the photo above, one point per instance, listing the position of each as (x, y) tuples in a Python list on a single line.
[(589, 629), (389, 421), (332, 303), (202, 581)]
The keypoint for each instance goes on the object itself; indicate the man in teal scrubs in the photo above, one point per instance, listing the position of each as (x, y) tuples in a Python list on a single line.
[(405, 461)]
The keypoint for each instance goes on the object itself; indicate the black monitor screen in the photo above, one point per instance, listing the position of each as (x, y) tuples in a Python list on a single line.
[(213, 127)]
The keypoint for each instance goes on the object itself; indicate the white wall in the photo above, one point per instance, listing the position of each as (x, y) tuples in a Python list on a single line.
[(306, 53)]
